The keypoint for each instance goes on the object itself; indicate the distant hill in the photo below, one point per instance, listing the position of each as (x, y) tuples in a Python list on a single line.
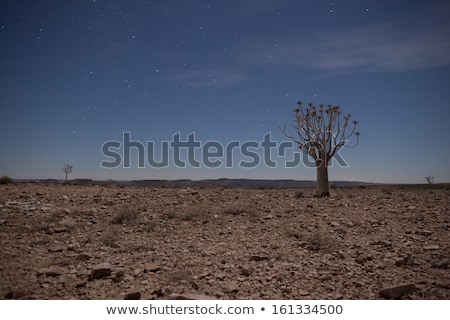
[(206, 183), (240, 183)]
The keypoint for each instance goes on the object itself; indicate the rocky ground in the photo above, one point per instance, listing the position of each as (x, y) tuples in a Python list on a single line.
[(112, 242)]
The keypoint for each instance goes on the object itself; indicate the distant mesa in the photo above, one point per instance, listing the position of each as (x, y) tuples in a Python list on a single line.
[(205, 183), (236, 183)]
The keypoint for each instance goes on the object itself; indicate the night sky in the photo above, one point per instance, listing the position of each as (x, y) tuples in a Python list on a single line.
[(76, 74)]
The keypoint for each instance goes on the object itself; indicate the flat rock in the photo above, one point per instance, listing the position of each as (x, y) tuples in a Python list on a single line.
[(431, 247), (397, 292), (52, 271), (425, 232), (190, 296), (442, 264), (133, 295), (258, 258), (100, 271), (303, 293), (230, 287), (56, 249), (221, 276), (84, 257), (60, 229), (151, 267), (15, 294), (404, 261), (68, 223), (246, 271)]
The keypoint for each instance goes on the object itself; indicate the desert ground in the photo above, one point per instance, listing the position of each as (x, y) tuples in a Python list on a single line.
[(122, 242)]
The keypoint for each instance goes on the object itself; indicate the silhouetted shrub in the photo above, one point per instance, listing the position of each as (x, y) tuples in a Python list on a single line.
[(299, 194), (5, 180)]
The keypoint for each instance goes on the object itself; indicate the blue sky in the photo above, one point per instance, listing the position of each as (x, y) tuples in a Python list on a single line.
[(76, 74)]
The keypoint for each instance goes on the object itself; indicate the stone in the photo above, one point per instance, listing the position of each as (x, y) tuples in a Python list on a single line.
[(52, 271), (221, 276), (230, 287), (56, 249), (190, 296), (425, 232), (151, 267), (258, 258), (118, 276), (15, 294), (431, 247), (68, 223), (397, 292), (404, 261), (246, 271), (83, 257), (100, 271), (360, 260), (60, 229), (442, 264), (133, 295), (303, 293), (2, 221)]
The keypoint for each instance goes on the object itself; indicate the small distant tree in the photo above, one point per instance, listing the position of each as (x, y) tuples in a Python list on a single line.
[(5, 180), (430, 180), (319, 133), (67, 168)]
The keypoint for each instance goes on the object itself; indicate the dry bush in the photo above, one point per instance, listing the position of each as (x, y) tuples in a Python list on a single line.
[(238, 208), (5, 180), (186, 213), (194, 213), (149, 226), (314, 241), (319, 241), (386, 190), (181, 275), (109, 239), (125, 215), (298, 194), (170, 212)]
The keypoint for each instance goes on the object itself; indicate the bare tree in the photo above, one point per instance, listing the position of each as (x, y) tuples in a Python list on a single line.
[(67, 168), (430, 180), (320, 132)]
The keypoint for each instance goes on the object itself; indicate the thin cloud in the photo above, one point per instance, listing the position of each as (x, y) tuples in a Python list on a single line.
[(208, 77), (389, 47), (256, 8)]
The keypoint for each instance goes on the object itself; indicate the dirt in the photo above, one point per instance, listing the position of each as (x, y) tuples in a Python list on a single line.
[(112, 242)]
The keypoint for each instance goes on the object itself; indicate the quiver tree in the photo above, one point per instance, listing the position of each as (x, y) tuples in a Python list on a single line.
[(430, 180), (319, 133), (67, 168)]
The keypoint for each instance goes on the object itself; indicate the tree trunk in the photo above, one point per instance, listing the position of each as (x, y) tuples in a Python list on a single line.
[(66, 176), (322, 187)]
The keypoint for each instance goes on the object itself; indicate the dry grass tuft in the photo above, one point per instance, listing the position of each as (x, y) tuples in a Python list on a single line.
[(314, 241), (125, 215)]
